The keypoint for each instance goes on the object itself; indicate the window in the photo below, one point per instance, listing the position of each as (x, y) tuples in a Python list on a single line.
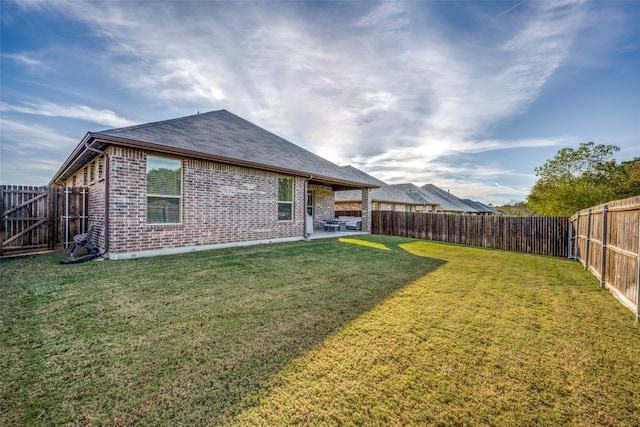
[(376, 206), (164, 190), (285, 198), (310, 202)]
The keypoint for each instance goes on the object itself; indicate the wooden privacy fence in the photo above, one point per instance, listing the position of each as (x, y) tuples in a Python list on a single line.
[(606, 239), (533, 235), (40, 218)]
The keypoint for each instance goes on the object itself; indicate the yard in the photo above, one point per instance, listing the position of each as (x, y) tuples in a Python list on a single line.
[(377, 330)]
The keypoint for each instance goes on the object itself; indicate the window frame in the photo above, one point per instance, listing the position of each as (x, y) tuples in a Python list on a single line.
[(286, 202), (148, 195)]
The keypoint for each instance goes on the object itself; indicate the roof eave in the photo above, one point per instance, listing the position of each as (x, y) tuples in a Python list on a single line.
[(159, 148)]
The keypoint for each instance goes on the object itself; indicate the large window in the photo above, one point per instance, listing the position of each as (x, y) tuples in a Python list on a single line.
[(285, 198), (164, 190)]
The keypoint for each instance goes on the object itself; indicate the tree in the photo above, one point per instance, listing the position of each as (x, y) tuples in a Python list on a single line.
[(630, 178), (576, 179), (515, 208)]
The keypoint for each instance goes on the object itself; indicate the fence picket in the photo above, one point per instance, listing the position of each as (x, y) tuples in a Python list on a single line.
[(542, 236), (31, 217), (607, 242)]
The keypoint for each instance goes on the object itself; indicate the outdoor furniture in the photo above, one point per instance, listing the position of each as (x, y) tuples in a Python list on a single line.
[(330, 226), (352, 222), (335, 225)]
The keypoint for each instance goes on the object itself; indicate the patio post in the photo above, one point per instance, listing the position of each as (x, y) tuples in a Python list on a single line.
[(366, 209)]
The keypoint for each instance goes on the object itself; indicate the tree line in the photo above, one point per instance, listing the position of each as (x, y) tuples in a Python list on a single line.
[(576, 179)]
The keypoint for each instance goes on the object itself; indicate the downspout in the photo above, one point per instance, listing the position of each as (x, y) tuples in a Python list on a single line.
[(304, 222), (106, 195)]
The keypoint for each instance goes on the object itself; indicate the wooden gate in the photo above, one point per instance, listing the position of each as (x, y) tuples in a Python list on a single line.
[(37, 219)]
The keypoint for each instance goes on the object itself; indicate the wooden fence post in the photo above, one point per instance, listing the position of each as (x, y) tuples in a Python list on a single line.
[(586, 256), (603, 268), (638, 278)]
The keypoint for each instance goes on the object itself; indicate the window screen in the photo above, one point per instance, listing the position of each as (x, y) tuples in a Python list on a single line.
[(164, 190)]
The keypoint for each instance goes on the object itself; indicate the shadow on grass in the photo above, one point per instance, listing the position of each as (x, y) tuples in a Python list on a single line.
[(339, 282), (184, 339)]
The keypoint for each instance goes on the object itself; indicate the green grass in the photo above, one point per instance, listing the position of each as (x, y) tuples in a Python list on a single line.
[(373, 331)]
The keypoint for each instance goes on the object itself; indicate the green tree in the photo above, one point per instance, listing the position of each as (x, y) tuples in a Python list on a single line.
[(576, 179), (515, 208), (630, 178)]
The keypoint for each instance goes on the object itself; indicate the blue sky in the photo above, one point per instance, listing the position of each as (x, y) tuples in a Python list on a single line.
[(470, 96)]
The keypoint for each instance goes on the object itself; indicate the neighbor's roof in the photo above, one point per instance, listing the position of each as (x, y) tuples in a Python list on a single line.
[(386, 192), (480, 207), (416, 194), (217, 136), (446, 200)]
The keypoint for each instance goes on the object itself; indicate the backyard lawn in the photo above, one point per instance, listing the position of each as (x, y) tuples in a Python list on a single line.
[(374, 330)]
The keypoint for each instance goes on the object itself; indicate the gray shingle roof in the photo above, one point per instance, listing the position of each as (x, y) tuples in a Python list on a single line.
[(479, 207), (446, 200), (386, 192), (223, 136), (416, 194)]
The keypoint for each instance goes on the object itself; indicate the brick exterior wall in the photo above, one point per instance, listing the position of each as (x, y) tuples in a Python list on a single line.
[(366, 209), (220, 204), (323, 205)]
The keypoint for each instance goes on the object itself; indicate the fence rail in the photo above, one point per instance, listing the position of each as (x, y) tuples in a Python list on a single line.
[(40, 218), (535, 235), (606, 240)]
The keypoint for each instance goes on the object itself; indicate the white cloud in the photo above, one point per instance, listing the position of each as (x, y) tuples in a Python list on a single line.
[(379, 89), (25, 139), (28, 61), (82, 112), (31, 153)]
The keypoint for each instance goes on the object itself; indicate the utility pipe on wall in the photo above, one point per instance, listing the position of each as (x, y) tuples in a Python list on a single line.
[(106, 194)]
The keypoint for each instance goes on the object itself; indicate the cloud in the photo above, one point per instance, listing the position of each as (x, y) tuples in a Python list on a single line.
[(383, 87), (24, 139), (28, 61), (30, 153), (82, 112)]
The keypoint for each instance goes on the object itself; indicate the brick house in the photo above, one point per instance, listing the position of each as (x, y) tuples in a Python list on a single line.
[(203, 181)]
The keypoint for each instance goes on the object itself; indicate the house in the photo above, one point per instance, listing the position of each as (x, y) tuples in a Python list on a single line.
[(384, 198), (434, 199), (203, 181), (447, 202), (480, 208), (423, 203)]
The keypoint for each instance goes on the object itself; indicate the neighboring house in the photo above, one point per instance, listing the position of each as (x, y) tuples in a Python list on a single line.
[(423, 203), (432, 199), (384, 198), (447, 202), (203, 181), (481, 208)]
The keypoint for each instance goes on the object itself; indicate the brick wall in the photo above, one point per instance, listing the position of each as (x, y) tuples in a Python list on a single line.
[(323, 205), (220, 204)]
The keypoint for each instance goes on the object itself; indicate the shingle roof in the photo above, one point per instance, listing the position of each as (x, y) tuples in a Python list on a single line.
[(416, 194), (386, 192), (480, 207), (223, 136), (446, 200)]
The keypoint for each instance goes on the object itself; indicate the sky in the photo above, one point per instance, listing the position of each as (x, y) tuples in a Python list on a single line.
[(470, 96)]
